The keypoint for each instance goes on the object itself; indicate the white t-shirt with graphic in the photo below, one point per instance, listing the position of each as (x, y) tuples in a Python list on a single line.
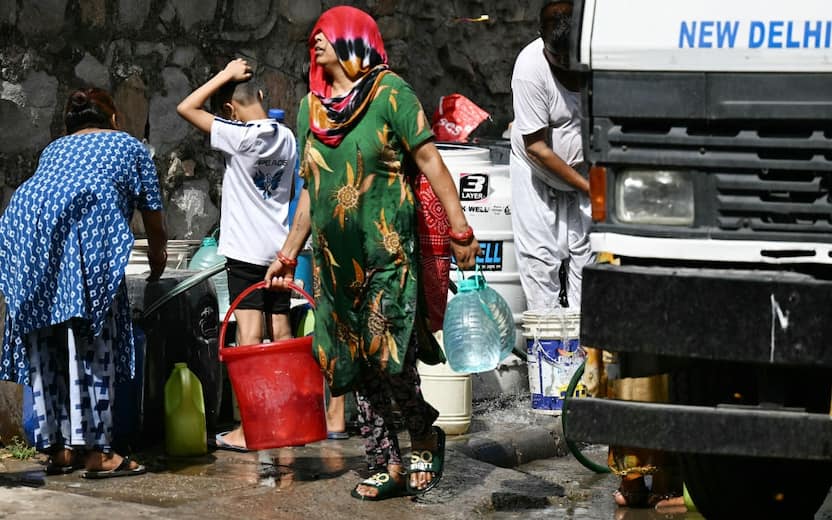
[(540, 101), (260, 161)]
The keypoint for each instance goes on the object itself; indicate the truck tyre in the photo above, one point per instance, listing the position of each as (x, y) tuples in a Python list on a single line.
[(752, 487), (747, 487)]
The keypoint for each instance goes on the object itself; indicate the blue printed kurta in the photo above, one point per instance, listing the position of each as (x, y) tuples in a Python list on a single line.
[(65, 241)]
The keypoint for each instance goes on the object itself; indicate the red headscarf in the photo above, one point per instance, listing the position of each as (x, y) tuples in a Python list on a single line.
[(358, 45)]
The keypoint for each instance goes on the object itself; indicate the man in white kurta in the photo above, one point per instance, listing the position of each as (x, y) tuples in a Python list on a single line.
[(550, 191)]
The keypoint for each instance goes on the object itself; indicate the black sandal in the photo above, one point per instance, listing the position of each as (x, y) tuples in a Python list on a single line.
[(123, 470), (76, 462)]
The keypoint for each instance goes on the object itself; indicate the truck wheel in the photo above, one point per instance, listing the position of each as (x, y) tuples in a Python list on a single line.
[(751, 487)]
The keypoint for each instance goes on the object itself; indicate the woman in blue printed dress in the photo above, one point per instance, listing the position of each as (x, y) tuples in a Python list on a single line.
[(65, 241)]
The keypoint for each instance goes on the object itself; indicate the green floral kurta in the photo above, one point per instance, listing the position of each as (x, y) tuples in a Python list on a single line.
[(364, 237)]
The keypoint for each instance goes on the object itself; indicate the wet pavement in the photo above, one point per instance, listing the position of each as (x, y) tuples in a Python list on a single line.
[(315, 481)]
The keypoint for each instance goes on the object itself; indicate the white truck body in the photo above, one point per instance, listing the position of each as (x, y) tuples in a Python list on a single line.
[(708, 35)]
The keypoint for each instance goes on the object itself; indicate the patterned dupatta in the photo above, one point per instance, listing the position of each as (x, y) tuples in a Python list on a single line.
[(358, 45)]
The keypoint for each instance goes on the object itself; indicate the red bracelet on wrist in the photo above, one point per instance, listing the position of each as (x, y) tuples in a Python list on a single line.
[(285, 260), (464, 237)]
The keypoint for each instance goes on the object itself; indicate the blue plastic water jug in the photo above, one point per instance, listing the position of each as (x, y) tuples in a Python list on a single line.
[(471, 336), (206, 257), (303, 271), (501, 312), (278, 114)]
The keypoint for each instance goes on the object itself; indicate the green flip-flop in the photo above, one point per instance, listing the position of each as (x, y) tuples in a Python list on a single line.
[(429, 461), (386, 487)]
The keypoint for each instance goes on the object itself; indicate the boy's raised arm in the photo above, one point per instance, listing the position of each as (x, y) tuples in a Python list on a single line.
[(191, 108)]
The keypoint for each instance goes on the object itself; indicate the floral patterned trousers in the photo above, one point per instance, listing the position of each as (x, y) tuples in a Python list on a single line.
[(375, 395)]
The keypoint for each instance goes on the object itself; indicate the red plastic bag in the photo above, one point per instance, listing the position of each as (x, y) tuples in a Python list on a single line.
[(456, 117)]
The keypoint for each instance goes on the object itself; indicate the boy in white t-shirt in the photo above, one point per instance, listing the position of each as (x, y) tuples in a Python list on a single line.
[(260, 156)]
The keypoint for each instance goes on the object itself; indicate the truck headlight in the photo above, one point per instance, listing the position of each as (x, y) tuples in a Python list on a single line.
[(663, 197)]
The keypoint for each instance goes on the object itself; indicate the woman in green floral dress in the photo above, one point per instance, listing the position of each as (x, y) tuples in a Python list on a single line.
[(356, 127)]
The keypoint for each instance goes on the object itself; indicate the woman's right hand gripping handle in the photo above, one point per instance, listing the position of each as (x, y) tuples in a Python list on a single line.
[(466, 251), (282, 270), (280, 273)]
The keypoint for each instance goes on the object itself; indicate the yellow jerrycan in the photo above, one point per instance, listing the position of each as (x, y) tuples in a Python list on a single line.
[(185, 433)]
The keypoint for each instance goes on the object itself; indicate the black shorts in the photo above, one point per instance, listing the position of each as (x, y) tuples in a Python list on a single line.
[(241, 276)]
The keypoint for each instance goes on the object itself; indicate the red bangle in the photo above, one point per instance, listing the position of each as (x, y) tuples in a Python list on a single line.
[(285, 260), (464, 237)]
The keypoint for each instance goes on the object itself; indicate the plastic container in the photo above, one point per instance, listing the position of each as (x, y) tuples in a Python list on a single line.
[(472, 338), (205, 257), (30, 416), (303, 271), (553, 354), (484, 187), (185, 329), (279, 387), (502, 314), (304, 325), (688, 500), (185, 432), (278, 114), (180, 253), (126, 409), (449, 392)]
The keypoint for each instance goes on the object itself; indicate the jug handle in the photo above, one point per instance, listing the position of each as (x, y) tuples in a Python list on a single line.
[(186, 381), (460, 275)]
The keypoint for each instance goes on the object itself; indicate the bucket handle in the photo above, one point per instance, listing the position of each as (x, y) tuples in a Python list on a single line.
[(249, 290)]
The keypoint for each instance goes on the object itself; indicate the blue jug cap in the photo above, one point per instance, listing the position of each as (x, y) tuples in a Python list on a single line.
[(277, 113), (209, 241)]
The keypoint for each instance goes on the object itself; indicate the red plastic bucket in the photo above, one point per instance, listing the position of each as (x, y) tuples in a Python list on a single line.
[(279, 387)]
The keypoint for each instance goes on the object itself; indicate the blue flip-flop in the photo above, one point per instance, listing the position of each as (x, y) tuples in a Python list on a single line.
[(337, 436), (223, 445)]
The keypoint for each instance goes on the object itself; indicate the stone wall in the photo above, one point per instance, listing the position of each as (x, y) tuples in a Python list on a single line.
[(152, 53)]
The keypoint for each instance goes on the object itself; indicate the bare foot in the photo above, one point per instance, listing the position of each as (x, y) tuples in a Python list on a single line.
[(235, 437), (396, 473), (62, 457), (671, 506), (421, 479), (632, 492)]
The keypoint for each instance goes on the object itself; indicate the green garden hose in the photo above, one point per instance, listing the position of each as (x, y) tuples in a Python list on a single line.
[(573, 448)]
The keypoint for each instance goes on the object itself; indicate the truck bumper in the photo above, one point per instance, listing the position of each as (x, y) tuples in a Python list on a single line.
[(692, 429), (700, 322), (746, 316)]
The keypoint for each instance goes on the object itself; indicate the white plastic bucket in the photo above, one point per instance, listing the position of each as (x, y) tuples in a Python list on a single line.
[(179, 255), (450, 393), (485, 194), (553, 354)]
